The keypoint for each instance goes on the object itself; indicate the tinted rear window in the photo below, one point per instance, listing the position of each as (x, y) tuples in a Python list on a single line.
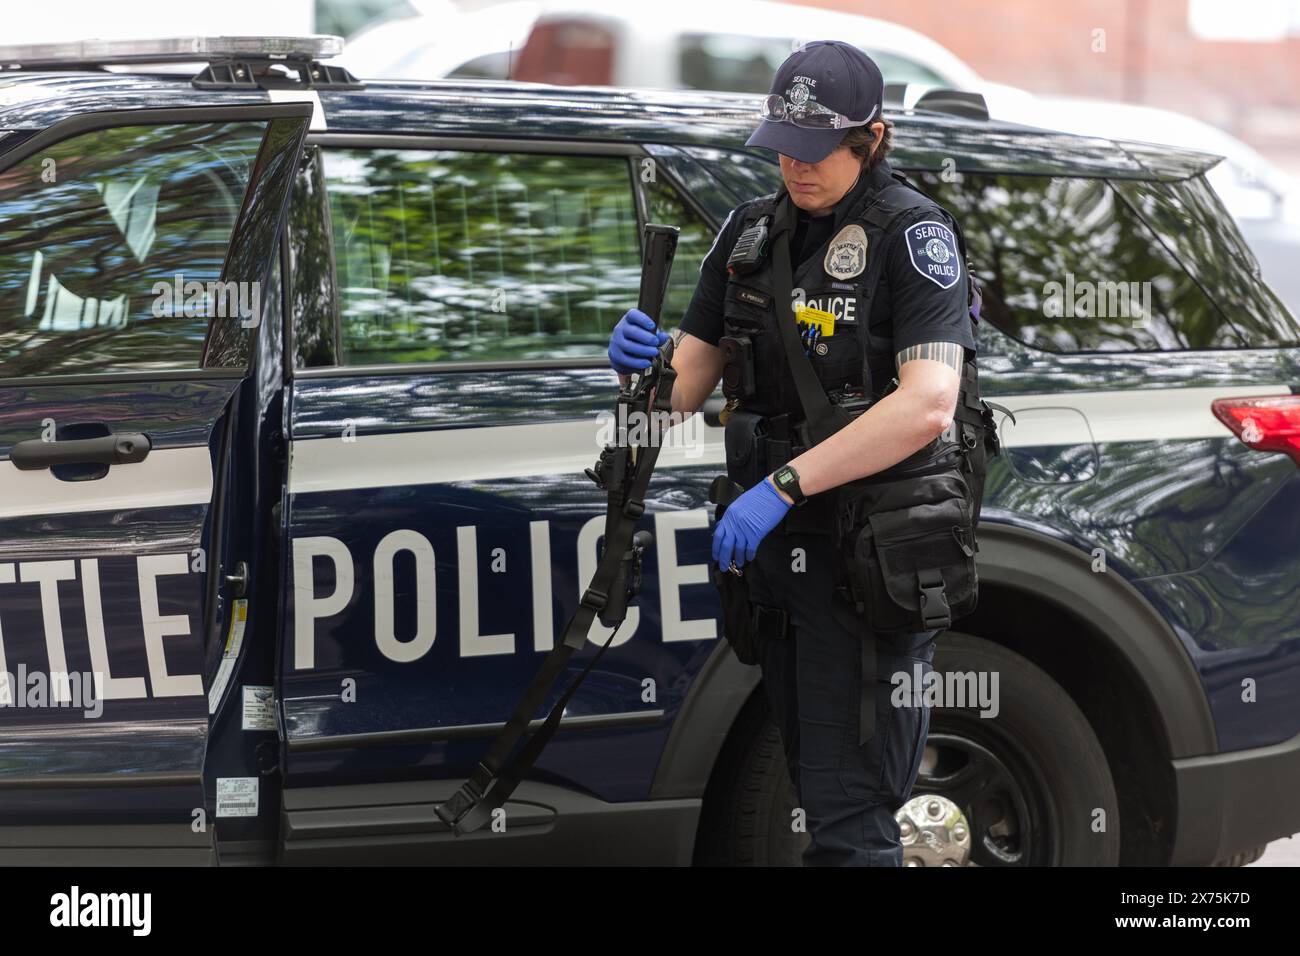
[(1192, 221), (1068, 265)]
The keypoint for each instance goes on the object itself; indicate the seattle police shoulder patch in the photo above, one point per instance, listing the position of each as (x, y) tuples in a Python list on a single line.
[(932, 247)]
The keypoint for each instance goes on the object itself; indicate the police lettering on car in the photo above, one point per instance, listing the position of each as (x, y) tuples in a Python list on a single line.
[(829, 580)]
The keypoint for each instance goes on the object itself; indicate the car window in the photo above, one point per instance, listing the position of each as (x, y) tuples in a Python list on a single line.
[(108, 241), (896, 68), (1067, 265), (666, 206), (451, 255), (731, 62), (747, 174), (737, 63), (1191, 219)]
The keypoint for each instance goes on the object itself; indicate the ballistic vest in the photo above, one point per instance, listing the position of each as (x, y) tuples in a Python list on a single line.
[(919, 514), (842, 278)]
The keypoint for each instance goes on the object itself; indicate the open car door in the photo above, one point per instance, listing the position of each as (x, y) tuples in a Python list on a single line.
[(136, 254)]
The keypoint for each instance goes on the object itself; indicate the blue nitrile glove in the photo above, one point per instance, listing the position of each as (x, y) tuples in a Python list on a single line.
[(634, 342), (746, 522)]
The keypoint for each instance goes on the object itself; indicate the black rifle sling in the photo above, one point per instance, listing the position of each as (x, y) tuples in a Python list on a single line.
[(493, 780), (822, 418)]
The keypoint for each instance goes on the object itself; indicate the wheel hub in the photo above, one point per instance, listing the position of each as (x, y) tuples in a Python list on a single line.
[(933, 831)]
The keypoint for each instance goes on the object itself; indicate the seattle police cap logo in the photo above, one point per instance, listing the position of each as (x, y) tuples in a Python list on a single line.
[(847, 255), (933, 249)]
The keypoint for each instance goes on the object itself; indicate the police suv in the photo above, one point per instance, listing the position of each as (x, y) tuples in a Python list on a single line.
[(300, 375)]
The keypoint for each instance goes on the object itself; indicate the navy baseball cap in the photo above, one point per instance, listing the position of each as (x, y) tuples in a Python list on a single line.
[(826, 74)]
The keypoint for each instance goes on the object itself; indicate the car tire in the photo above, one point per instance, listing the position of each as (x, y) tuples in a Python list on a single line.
[(1039, 736), (1042, 737), (746, 820)]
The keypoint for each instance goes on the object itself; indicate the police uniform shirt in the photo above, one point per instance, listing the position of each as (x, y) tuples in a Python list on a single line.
[(812, 233), (915, 303)]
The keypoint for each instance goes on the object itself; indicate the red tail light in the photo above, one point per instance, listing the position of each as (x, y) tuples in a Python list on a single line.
[(1271, 423)]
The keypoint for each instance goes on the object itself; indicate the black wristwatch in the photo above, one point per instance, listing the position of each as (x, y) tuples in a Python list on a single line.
[(787, 480)]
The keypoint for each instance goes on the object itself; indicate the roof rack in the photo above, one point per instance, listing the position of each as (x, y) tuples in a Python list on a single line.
[(235, 62), (923, 98)]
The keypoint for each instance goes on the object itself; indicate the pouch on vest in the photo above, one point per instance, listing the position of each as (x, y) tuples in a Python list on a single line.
[(746, 444), (910, 550)]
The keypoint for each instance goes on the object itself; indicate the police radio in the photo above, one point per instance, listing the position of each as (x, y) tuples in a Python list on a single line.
[(750, 248)]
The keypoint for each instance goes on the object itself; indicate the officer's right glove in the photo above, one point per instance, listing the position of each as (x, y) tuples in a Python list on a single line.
[(634, 342), (745, 523)]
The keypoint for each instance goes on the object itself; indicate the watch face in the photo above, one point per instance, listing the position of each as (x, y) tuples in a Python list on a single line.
[(784, 478)]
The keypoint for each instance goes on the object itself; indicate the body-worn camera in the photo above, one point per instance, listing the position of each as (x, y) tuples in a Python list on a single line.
[(737, 366)]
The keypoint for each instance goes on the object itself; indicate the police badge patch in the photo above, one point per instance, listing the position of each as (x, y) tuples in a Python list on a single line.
[(847, 255), (933, 249)]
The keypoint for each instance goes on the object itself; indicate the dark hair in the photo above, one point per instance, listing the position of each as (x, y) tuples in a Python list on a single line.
[(860, 138)]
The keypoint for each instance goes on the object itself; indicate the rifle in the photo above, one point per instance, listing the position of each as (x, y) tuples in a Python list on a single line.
[(623, 472)]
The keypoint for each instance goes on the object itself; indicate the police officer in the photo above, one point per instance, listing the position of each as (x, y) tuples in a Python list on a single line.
[(882, 267)]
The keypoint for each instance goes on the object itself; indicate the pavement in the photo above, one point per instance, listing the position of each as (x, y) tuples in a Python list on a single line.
[(1281, 853)]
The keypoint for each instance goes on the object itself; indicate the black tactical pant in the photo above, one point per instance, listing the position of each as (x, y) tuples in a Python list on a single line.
[(849, 792)]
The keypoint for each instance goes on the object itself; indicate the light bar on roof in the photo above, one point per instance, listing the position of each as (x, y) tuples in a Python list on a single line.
[(170, 50)]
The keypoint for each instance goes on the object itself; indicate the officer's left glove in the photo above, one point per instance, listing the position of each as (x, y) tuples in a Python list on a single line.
[(746, 522)]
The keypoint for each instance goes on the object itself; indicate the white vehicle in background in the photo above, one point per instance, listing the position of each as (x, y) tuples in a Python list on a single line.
[(443, 40), (732, 46)]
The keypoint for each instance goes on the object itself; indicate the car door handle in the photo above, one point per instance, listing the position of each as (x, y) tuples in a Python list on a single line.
[(711, 409), (124, 449)]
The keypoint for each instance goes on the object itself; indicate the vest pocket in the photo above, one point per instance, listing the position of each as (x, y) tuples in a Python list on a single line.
[(912, 568), (746, 445), (841, 365)]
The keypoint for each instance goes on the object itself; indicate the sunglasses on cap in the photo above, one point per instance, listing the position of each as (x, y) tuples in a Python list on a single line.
[(810, 115)]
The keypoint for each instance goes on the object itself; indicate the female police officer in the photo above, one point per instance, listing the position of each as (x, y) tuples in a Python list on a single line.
[(891, 297)]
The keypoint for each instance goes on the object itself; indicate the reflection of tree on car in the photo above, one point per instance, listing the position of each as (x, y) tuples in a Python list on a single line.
[(450, 254), (1029, 232)]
